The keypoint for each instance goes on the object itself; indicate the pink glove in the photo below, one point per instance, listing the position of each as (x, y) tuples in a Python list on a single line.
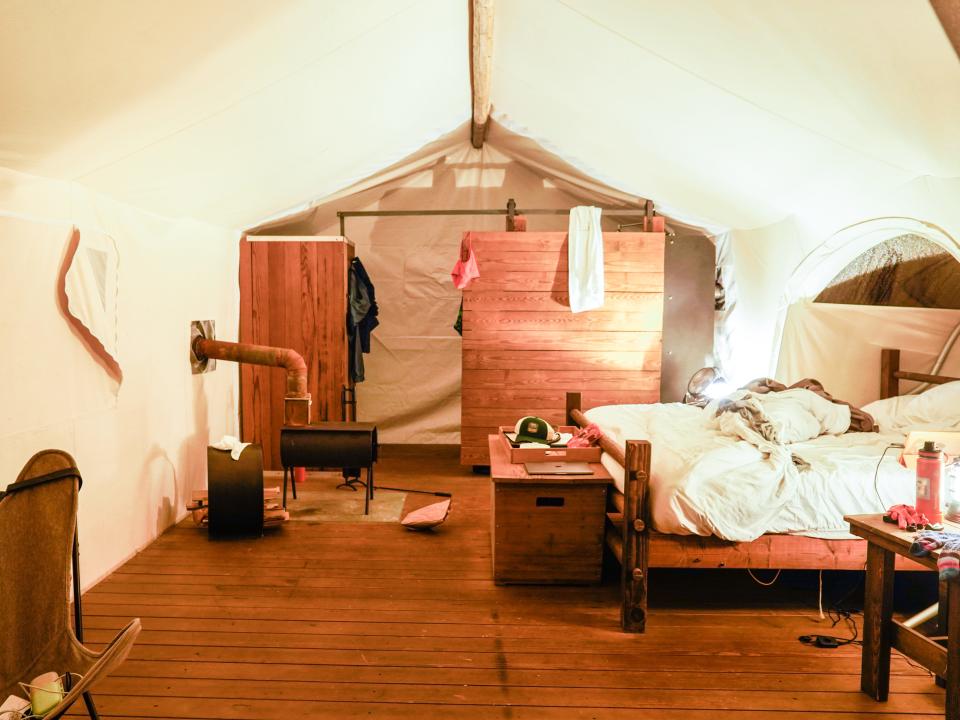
[(586, 437), (906, 517)]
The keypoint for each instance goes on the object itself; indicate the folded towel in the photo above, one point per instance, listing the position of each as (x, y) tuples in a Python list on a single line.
[(229, 442)]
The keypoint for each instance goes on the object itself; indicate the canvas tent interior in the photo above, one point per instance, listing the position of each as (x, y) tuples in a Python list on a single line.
[(776, 128)]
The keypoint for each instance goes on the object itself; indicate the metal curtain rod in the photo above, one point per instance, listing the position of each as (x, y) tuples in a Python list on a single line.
[(511, 210)]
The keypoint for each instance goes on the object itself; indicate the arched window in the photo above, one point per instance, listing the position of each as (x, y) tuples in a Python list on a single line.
[(905, 271)]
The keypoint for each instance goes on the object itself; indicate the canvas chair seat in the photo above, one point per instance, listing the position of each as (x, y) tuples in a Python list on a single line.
[(37, 526)]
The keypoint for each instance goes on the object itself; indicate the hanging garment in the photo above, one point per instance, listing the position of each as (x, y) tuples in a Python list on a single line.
[(458, 325), (361, 317), (585, 259), (466, 268), (370, 320)]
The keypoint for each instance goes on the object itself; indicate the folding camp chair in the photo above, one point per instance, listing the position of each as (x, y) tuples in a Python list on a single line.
[(38, 546)]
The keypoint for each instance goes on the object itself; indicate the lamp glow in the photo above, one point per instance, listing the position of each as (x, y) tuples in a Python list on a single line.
[(706, 384)]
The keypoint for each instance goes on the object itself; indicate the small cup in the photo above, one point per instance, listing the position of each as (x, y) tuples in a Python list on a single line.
[(46, 692)]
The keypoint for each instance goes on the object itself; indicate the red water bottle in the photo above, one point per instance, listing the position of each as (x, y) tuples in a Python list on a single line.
[(929, 468)]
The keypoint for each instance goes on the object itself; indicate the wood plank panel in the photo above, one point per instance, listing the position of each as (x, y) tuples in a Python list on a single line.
[(650, 320), (310, 290), (247, 406), (261, 335), (493, 417), (557, 301), (551, 244), (584, 340), (520, 397), (560, 360), (560, 379), (295, 298), (519, 335), (557, 281), (278, 293), (507, 262), (792, 551)]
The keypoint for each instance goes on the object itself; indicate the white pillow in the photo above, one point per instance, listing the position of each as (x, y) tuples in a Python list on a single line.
[(940, 406), (886, 412)]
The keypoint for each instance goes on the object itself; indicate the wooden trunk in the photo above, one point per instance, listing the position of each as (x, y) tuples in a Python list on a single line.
[(293, 293), (548, 533), (522, 347), (545, 529)]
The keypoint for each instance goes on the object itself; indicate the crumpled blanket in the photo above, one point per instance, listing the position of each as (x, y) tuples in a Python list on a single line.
[(744, 417), (860, 421)]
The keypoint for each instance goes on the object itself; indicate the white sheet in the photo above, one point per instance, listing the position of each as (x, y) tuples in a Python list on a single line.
[(706, 483)]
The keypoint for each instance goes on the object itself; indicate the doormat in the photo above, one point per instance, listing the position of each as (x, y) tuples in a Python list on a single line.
[(316, 504)]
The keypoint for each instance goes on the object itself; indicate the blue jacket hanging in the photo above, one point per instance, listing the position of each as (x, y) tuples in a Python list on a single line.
[(361, 316)]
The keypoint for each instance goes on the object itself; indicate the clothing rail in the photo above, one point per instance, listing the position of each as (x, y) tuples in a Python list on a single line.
[(510, 211)]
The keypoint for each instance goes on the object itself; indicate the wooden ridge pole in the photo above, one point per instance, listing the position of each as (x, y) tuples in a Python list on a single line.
[(948, 11), (481, 66)]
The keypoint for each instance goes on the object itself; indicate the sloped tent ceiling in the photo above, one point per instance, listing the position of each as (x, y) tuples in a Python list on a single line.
[(226, 110), (738, 113)]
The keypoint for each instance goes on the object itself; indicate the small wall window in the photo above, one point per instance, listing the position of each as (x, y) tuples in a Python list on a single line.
[(904, 271)]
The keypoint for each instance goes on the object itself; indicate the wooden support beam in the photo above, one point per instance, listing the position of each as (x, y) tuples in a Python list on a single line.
[(481, 66), (948, 11)]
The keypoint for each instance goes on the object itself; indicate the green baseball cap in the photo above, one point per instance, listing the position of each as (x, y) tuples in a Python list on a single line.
[(535, 429)]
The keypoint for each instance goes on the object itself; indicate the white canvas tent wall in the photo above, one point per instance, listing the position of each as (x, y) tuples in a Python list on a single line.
[(412, 390), (778, 122)]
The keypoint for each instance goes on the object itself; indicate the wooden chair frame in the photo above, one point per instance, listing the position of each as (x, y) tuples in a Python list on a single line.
[(637, 547)]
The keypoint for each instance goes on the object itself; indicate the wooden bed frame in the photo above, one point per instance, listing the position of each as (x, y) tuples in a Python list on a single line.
[(637, 547)]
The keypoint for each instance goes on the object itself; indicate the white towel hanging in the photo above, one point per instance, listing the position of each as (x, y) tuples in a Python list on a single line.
[(585, 259)]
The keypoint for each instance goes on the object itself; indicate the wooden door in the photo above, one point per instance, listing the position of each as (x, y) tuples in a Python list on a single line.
[(523, 349), (292, 294)]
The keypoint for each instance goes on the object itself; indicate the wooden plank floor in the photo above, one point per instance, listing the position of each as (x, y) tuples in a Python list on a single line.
[(370, 620)]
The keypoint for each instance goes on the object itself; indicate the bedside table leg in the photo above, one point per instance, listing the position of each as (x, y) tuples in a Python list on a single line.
[(877, 615)]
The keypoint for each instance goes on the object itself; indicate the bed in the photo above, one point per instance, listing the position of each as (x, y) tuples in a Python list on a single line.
[(652, 523)]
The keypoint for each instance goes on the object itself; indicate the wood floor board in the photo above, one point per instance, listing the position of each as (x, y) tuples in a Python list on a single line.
[(361, 620), (625, 679), (516, 696)]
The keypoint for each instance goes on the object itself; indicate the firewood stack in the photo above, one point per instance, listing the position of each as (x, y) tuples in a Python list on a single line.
[(273, 512)]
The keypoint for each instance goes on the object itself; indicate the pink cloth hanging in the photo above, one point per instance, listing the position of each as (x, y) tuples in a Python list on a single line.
[(466, 268)]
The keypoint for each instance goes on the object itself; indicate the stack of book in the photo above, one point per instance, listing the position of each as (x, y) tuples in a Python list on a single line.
[(273, 512)]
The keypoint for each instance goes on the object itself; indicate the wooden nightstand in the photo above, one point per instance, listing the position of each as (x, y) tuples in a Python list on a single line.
[(545, 528)]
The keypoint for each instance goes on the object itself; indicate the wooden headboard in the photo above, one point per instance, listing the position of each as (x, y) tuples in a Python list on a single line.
[(891, 374)]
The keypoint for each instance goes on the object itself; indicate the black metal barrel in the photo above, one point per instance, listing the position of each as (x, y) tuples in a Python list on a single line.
[(235, 493)]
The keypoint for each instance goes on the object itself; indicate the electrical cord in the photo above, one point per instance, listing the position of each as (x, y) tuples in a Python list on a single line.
[(758, 581), (876, 470), (837, 613)]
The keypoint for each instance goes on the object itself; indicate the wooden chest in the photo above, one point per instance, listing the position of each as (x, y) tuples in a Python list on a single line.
[(545, 528)]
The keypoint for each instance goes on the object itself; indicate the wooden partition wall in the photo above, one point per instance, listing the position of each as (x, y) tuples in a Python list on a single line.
[(293, 294), (523, 349)]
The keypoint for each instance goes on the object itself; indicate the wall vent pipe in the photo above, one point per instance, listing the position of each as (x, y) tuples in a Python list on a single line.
[(296, 404)]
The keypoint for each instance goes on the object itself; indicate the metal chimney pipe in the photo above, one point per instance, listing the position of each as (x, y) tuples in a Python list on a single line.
[(296, 406)]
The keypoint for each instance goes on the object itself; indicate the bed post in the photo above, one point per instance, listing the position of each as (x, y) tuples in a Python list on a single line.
[(573, 403), (633, 568), (889, 367)]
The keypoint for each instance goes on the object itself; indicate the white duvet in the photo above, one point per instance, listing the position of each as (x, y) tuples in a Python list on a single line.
[(707, 480)]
